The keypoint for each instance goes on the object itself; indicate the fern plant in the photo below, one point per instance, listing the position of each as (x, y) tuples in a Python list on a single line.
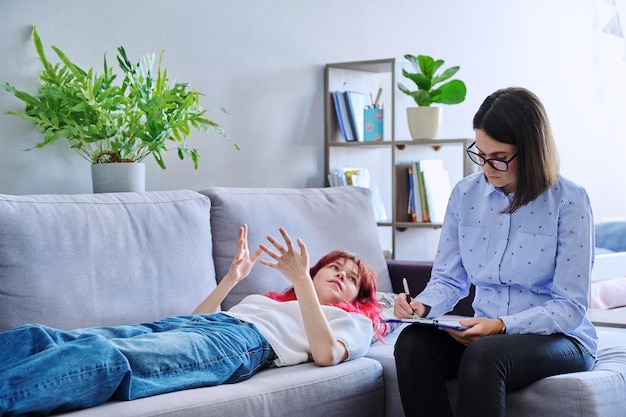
[(106, 122)]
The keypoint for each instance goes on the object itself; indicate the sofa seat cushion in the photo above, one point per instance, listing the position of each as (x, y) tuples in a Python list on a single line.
[(327, 219), (382, 351), (598, 393), (352, 388), (71, 261)]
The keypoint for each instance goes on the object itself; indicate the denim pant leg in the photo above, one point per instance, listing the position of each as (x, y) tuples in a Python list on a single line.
[(44, 370), (495, 364), (132, 330), (205, 350)]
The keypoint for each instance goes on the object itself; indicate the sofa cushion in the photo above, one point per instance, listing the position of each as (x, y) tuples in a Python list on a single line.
[(338, 218), (72, 261), (608, 293), (611, 235), (597, 393), (352, 388), (382, 351)]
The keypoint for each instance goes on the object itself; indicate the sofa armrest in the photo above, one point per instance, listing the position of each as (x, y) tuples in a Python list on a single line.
[(417, 274)]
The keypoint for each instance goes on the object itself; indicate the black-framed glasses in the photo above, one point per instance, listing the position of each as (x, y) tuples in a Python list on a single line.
[(496, 163)]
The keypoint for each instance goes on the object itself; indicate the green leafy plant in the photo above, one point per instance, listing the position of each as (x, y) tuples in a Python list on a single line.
[(429, 87), (106, 122)]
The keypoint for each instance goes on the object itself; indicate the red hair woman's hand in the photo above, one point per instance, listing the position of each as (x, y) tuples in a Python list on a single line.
[(292, 264)]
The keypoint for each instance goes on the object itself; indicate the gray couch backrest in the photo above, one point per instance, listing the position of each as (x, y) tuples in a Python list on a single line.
[(327, 219), (72, 261)]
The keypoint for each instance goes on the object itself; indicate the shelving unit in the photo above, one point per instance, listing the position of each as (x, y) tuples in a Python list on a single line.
[(386, 160)]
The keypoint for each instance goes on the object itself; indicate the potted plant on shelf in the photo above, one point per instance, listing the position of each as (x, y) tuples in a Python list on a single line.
[(108, 123), (432, 88)]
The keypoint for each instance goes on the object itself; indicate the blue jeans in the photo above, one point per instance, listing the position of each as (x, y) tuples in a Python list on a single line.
[(485, 370), (44, 369)]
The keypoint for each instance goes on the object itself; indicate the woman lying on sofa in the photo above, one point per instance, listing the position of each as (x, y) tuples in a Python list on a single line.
[(328, 318)]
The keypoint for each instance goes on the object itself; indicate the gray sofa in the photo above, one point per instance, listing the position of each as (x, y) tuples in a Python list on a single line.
[(82, 260)]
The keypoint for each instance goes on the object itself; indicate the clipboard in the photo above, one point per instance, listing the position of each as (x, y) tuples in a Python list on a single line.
[(441, 323)]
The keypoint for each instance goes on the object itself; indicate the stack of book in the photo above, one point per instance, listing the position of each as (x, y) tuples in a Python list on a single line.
[(349, 106), (359, 177), (429, 191)]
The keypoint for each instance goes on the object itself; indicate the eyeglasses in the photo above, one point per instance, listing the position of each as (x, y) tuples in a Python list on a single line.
[(496, 163)]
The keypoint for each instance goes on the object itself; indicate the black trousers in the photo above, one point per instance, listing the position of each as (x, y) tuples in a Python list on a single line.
[(485, 370)]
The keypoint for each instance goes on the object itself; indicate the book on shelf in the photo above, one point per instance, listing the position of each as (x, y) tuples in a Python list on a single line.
[(343, 119), (428, 190), (359, 177), (403, 200), (423, 195), (437, 187), (414, 208), (355, 102)]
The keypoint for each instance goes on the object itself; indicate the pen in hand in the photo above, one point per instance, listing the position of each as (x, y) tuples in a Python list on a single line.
[(408, 295)]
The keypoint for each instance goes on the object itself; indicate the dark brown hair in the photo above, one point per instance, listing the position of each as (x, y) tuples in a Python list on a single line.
[(516, 116)]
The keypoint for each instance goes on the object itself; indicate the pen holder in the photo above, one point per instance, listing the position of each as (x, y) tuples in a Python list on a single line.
[(373, 124)]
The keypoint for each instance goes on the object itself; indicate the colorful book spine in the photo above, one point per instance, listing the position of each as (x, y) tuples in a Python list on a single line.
[(422, 193), (343, 119), (355, 104), (412, 206), (437, 186)]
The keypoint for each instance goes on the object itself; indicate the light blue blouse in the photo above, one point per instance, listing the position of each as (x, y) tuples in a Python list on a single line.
[(531, 268)]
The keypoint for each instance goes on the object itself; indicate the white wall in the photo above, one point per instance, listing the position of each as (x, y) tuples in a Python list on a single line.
[(263, 61)]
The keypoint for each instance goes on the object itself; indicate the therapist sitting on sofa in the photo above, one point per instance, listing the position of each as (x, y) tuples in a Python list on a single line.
[(327, 319), (523, 235)]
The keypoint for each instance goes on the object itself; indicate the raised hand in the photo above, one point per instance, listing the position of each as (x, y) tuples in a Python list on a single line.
[(241, 266), (242, 261), (292, 264)]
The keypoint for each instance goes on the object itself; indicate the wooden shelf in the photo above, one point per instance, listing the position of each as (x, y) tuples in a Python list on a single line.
[(384, 159)]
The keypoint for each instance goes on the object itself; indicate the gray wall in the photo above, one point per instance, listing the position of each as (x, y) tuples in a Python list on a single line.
[(263, 61)]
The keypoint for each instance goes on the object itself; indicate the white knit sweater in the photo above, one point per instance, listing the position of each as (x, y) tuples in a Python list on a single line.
[(281, 324)]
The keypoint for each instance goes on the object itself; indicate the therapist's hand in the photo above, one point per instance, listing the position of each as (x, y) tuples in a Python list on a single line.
[(478, 327), (403, 310)]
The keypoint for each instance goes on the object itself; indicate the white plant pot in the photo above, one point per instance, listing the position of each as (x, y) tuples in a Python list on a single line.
[(423, 122), (118, 177)]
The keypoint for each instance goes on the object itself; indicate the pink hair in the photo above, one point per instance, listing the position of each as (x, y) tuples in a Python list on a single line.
[(366, 302)]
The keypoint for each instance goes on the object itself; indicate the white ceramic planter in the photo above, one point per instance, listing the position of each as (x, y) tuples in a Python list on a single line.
[(118, 177), (423, 122)]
